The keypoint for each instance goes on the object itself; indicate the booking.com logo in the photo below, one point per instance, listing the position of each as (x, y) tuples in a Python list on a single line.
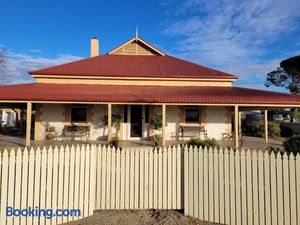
[(37, 212)]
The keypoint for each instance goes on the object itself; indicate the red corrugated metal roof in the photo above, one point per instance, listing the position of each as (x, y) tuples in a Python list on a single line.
[(146, 94), (134, 66)]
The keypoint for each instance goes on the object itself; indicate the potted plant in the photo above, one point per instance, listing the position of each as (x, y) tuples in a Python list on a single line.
[(156, 125), (114, 142), (50, 131), (156, 140), (116, 123)]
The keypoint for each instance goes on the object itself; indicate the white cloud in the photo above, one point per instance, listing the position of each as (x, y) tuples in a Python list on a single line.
[(36, 50), (252, 69), (235, 35), (18, 65)]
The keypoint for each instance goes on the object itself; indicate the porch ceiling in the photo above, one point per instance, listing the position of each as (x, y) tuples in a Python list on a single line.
[(145, 94), (12, 105)]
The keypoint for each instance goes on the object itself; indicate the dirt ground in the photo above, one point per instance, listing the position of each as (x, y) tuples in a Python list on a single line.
[(138, 217)]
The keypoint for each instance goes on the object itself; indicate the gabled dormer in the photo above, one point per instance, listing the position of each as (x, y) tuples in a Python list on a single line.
[(136, 46)]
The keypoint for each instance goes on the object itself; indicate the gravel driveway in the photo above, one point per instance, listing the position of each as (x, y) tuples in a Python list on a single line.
[(138, 217)]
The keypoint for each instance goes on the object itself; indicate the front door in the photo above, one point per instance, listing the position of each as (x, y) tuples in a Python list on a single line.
[(136, 121)]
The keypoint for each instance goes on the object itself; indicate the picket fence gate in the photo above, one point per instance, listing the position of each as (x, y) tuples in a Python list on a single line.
[(218, 185)]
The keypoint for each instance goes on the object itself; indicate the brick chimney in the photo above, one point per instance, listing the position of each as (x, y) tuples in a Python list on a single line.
[(94, 47)]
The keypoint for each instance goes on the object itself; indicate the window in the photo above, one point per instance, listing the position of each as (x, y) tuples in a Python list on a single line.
[(78, 114), (192, 114)]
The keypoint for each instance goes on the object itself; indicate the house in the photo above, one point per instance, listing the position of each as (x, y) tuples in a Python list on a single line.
[(137, 81)]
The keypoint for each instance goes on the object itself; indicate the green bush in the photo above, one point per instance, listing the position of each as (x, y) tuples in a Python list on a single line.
[(256, 129), (156, 122), (274, 129), (292, 144), (252, 128), (203, 143)]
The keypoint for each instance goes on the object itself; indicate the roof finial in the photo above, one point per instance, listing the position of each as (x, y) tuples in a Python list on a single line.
[(137, 31)]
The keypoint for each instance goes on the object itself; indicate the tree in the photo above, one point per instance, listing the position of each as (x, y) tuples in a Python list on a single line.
[(286, 76)]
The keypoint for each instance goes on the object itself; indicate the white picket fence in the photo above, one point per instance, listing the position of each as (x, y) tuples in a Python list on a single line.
[(88, 178), (225, 186), (242, 187)]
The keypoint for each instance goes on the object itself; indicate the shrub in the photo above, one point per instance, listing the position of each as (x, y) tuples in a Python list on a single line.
[(203, 143), (156, 122), (274, 129), (292, 144), (256, 129), (252, 128)]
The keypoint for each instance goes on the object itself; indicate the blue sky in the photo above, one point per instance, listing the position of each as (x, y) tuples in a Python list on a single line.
[(246, 38)]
